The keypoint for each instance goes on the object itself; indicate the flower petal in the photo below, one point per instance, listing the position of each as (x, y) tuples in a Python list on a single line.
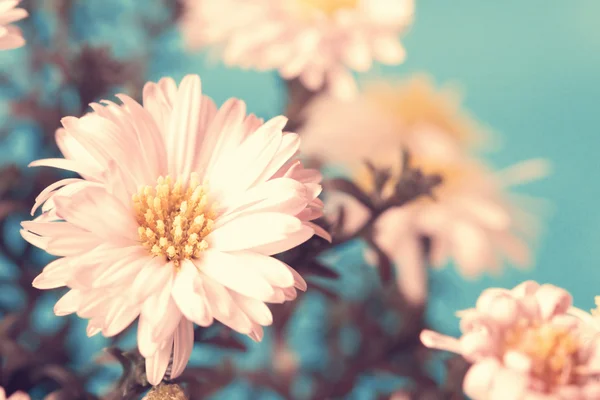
[(191, 304), (156, 365), (231, 271), (238, 170), (183, 135), (254, 230), (182, 347)]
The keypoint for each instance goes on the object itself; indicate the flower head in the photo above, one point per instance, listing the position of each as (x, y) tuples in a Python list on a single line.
[(317, 41), (472, 219), (523, 344), (387, 117), (10, 36), (180, 207)]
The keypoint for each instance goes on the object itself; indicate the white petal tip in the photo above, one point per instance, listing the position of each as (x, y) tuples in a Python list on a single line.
[(428, 338)]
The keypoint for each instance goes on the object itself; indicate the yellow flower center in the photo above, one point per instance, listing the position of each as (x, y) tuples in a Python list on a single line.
[(327, 7), (552, 349), (417, 102), (173, 219), (166, 392)]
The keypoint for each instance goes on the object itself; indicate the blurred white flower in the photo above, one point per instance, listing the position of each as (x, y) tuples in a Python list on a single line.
[(472, 220), (317, 41), (386, 117)]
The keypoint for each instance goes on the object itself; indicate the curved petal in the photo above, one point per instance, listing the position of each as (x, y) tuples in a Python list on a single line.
[(95, 210), (156, 365), (146, 345), (69, 165), (68, 304), (150, 279), (239, 169), (274, 271), (191, 304), (119, 317), (224, 127), (224, 307), (479, 378), (183, 135), (254, 230), (231, 271), (289, 241), (281, 195), (182, 347), (256, 310)]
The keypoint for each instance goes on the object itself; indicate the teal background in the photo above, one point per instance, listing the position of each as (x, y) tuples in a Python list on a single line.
[(529, 69)]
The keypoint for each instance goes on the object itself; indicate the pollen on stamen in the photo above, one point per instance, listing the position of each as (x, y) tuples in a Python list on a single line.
[(552, 349), (329, 7), (174, 218)]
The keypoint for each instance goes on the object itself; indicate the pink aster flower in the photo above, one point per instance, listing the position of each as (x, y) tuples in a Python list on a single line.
[(525, 344), (317, 41), (14, 396), (178, 211), (10, 36), (472, 220)]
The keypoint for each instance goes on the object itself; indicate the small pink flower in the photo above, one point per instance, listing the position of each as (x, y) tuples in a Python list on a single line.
[(525, 343), (14, 396), (10, 36), (180, 207), (317, 41)]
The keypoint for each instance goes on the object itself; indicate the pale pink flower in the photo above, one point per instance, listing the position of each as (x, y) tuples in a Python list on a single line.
[(10, 36), (180, 207), (318, 41), (386, 117), (525, 344), (14, 396), (473, 220)]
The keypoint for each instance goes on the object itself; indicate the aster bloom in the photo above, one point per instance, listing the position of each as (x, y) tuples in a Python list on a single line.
[(14, 396), (317, 41), (178, 211), (525, 344), (472, 219), (412, 114), (10, 36)]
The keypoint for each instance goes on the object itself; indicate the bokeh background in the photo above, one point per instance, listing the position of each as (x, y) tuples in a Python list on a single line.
[(528, 69)]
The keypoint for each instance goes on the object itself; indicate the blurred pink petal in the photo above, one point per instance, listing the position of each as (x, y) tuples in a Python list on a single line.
[(10, 36)]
